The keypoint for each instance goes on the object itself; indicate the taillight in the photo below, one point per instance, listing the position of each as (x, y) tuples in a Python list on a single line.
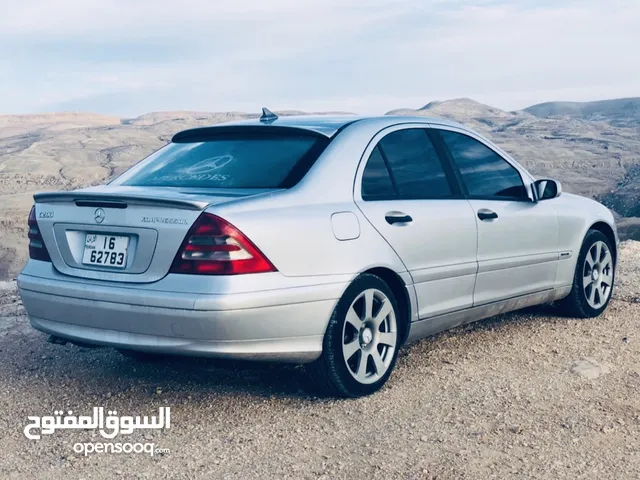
[(215, 247), (37, 249)]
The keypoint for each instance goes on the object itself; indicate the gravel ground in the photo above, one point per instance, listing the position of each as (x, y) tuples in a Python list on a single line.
[(525, 395)]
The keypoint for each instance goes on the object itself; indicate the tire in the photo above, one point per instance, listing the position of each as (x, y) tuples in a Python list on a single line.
[(591, 292), (353, 335), (140, 356)]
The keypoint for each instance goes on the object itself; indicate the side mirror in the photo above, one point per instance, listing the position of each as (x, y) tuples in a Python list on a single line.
[(545, 188)]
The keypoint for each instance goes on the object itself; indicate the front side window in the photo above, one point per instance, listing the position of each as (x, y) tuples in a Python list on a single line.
[(406, 164), (485, 173)]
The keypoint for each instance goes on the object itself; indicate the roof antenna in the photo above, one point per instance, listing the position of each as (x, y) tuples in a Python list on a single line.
[(268, 116)]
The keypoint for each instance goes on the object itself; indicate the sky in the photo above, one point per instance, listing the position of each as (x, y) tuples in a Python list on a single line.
[(129, 57)]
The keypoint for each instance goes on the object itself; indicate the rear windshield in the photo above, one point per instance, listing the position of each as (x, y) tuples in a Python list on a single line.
[(232, 160)]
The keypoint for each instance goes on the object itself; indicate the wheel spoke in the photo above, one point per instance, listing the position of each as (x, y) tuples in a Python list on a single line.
[(387, 338), (362, 365), (586, 281), (598, 251), (368, 304), (590, 261), (607, 278), (592, 295), (350, 348), (606, 261), (353, 319), (385, 310), (377, 360)]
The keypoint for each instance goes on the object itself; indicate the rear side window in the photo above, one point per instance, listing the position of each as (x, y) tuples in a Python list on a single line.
[(415, 170), (485, 173), (232, 160)]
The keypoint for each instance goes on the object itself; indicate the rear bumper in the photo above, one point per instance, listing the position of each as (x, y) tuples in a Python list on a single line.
[(284, 324)]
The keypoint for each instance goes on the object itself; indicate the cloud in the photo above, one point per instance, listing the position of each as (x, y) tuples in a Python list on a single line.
[(168, 18), (127, 57)]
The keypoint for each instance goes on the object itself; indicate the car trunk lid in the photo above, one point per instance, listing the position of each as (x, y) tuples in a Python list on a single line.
[(123, 234)]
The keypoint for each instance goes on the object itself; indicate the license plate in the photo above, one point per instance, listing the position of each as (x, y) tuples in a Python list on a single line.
[(105, 250)]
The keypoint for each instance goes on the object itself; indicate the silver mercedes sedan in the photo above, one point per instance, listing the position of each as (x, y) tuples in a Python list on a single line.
[(330, 241)]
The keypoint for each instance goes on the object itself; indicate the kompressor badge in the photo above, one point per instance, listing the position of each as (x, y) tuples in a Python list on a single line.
[(166, 220)]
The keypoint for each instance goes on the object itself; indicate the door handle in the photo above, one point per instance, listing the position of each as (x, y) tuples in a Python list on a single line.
[(486, 214), (397, 217)]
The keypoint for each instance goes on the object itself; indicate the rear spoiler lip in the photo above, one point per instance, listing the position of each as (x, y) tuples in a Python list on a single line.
[(68, 197)]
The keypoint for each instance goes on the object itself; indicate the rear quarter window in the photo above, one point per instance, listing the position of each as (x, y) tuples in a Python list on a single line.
[(376, 180)]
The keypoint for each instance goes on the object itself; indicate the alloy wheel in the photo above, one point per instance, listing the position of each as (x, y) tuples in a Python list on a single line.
[(369, 336), (597, 275)]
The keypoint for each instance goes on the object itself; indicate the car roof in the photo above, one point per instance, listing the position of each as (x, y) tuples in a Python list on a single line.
[(328, 125)]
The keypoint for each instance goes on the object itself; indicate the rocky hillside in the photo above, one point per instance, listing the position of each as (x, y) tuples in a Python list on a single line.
[(70, 150), (619, 112)]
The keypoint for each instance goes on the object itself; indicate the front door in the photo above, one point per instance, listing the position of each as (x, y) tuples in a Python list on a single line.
[(517, 238)]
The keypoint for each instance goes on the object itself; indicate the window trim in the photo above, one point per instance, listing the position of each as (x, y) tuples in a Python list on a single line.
[(435, 132), (454, 185)]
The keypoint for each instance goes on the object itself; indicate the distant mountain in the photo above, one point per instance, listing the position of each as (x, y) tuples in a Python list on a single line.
[(620, 112), (12, 125), (464, 110)]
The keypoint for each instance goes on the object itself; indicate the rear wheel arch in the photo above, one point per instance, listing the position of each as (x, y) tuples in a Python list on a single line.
[(399, 289)]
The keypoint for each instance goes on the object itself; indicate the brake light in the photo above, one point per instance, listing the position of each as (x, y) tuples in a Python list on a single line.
[(215, 247), (37, 248)]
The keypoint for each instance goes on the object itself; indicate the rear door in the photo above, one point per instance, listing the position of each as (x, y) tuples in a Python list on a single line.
[(517, 238), (409, 196)]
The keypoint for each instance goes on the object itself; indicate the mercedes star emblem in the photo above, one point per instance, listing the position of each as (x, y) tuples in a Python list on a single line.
[(99, 215)]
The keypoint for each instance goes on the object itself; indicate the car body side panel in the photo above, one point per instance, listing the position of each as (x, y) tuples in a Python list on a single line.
[(300, 241)]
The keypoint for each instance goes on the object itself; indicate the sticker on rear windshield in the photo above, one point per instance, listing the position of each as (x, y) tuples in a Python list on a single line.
[(208, 165), (216, 177)]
